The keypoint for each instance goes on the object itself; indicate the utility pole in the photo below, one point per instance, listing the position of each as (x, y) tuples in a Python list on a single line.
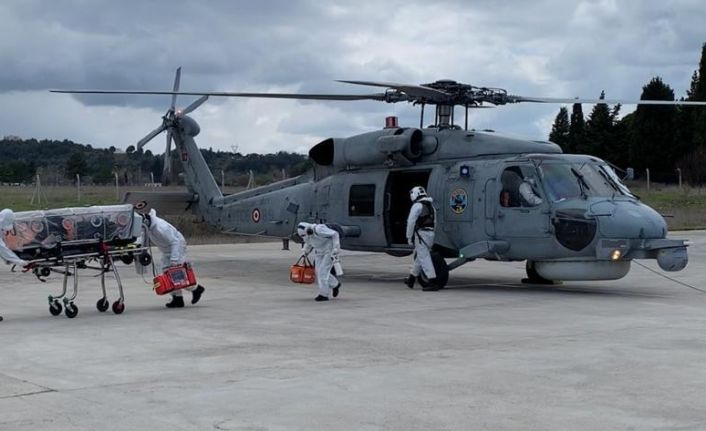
[(38, 194), (78, 186), (117, 190), (251, 181)]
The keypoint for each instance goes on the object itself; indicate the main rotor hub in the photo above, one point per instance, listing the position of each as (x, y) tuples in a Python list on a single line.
[(466, 95)]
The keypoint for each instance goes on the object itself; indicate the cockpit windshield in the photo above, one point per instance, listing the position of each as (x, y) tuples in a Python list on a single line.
[(580, 180)]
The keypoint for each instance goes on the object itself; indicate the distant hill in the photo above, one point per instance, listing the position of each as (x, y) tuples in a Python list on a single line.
[(58, 162)]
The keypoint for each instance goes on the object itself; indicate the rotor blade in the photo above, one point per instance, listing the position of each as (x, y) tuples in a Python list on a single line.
[(141, 143), (177, 78), (412, 90), (518, 99), (194, 105), (343, 97)]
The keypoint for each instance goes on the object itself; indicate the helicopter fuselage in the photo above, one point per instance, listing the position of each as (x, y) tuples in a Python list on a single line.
[(584, 223)]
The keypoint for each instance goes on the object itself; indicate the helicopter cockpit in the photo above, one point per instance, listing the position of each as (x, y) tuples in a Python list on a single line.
[(581, 180)]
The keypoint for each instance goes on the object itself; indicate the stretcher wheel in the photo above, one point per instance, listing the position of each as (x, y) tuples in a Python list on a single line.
[(127, 259), (118, 307), (71, 310), (55, 308), (144, 258), (102, 305)]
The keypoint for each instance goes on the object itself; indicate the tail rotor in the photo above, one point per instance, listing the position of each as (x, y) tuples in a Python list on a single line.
[(170, 122)]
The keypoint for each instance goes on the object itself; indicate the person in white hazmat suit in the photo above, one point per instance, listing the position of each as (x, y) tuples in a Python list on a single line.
[(326, 244), (420, 234), (173, 247), (7, 220)]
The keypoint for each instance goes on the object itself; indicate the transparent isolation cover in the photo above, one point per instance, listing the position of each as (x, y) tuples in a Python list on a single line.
[(71, 226)]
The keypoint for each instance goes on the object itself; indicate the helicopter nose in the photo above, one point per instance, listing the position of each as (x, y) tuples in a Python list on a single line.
[(628, 219)]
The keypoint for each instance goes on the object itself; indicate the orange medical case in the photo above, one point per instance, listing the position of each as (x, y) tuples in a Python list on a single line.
[(302, 271)]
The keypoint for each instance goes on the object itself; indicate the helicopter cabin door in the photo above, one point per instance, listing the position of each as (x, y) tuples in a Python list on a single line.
[(360, 204), (522, 210), (397, 203)]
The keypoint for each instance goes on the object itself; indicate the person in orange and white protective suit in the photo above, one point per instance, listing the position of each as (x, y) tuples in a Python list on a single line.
[(326, 244), (173, 247)]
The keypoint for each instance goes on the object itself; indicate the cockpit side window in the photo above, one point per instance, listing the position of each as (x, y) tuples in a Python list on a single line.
[(511, 179), (519, 187)]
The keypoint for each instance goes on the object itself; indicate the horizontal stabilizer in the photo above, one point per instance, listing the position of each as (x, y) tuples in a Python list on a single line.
[(174, 203)]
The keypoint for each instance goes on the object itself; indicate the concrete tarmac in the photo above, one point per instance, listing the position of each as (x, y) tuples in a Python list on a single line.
[(257, 353)]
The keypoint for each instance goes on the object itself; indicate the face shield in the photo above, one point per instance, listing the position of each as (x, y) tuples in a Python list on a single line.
[(304, 230)]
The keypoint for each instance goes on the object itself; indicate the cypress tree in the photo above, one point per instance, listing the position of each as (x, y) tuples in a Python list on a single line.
[(691, 134), (560, 130), (577, 132), (653, 137), (599, 130)]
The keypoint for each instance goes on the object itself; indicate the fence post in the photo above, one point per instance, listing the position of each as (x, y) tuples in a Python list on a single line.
[(78, 186), (679, 172), (648, 178)]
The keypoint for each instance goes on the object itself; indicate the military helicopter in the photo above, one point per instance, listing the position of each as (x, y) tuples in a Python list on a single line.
[(583, 224)]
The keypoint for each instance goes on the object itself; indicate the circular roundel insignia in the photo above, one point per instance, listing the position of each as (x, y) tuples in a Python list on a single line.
[(140, 205), (255, 215), (458, 201)]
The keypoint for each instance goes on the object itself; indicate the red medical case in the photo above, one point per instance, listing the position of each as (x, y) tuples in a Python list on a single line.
[(175, 277)]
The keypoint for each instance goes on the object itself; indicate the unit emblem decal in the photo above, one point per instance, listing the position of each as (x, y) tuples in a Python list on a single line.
[(458, 201)]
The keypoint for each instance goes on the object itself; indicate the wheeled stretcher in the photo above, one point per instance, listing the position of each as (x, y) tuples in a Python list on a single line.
[(68, 240)]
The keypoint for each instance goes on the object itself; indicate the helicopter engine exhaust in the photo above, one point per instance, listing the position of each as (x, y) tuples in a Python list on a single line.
[(402, 145)]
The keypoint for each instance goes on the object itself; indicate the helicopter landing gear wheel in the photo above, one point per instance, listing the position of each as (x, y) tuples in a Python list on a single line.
[(102, 305), (71, 310), (441, 269), (533, 276), (55, 308), (118, 307)]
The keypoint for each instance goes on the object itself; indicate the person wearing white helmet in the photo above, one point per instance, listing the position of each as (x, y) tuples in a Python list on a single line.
[(420, 233), (173, 247), (7, 222), (326, 244)]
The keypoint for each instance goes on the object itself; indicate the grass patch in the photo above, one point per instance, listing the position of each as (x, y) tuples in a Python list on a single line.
[(683, 208)]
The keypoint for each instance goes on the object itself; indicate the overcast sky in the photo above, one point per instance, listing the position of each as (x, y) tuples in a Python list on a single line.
[(552, 48)]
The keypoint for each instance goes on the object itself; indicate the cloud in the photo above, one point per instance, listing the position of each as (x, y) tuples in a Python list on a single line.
[(543, 48)]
